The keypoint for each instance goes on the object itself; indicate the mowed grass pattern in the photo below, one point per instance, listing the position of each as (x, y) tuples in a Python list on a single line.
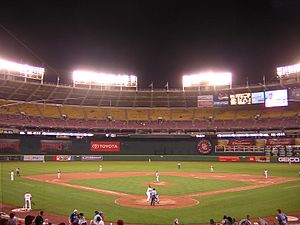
[(63, 200), (179, 185)]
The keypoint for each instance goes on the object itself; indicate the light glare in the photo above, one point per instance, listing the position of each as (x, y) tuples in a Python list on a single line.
[(105, 79), (207, 79), (21, 68), (286, 70)]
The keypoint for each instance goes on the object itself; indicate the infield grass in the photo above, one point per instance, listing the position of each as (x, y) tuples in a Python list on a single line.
[(179, 185)]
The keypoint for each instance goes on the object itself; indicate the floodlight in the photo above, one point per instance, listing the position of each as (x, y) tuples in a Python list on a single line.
[(25, 69), (103, 79), (207, 79), (287, 70)]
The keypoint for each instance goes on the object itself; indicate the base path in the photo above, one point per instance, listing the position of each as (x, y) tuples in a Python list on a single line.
[(166, 202)]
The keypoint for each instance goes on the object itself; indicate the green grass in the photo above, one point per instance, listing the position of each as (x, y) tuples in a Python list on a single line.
[(138, 185), (62, 200)]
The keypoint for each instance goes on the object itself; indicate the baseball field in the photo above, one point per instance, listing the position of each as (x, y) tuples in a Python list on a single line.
[(192, 194)]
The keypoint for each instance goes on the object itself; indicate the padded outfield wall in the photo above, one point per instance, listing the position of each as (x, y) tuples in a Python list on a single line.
[(183, 145)]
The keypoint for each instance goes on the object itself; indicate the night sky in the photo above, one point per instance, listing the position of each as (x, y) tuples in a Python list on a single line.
[(158, 41)]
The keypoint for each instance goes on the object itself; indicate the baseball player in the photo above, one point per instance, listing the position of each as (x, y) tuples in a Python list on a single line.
[(212, 169), (157, 176), (148, 191), (266, 173), (153, 196), (100, 168), (179, 165), (18, 172), (58, 173), (27, 198), (12, 175)]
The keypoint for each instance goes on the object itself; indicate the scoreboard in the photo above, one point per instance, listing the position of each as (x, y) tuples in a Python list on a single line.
[(241, 99)]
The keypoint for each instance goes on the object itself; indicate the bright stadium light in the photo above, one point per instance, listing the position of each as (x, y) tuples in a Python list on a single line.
[(103, 79), (287, 70), (207, 79), (23, 69)]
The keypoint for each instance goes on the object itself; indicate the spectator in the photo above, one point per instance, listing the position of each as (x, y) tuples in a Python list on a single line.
[(73, 219), (176, 221), (212, 222), (225, 220), (12, 220), (29, 220), (3, 221), (39, 220), (120, 222), (99, 221), (281, 218), (46, 222), (97, 218), (246, 221), (262, 221), (102, 215), (82, 220), (234, 222)]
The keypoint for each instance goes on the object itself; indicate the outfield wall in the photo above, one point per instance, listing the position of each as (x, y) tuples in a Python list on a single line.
[(184, 145)]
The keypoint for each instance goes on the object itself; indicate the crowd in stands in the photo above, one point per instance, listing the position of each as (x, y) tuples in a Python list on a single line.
[(78, 218)]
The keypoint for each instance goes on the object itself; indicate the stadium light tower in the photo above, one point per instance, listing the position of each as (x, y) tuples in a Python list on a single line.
[(207, 79), (103, 79), (290, 72), (8, 68)]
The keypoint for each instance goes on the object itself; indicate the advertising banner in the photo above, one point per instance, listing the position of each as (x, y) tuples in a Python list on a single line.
[(258, 159), (92, 158), (34, 158), (56, 145), (235, 142), (288, 159), (221, 99), (280, 141), (205, 101), (104, 146), (229, 159), (9, 144), (62, 158), (258, 97)]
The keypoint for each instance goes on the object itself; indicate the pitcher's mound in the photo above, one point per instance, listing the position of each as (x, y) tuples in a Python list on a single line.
[(166, 202)]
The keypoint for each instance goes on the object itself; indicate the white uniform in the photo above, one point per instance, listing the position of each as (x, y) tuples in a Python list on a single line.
[(58, 174), (157, 176), (100, 168), (27, 198), (12, 175), (266, 173), (211, 169), (149, 189)]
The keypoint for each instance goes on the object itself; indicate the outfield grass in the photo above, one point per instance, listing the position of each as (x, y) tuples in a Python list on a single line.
[(62, 200), (179, 185)]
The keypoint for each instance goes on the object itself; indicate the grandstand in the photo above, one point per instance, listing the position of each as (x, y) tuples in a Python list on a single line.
[(35, 105)]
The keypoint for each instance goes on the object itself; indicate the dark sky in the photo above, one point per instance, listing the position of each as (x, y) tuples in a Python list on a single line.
[(156, 40)]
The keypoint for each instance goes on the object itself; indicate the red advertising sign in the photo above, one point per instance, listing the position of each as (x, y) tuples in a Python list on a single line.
[(241, 142), (97, 146), (280, 141), (229, 159), (9, 144), (55, 145)]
